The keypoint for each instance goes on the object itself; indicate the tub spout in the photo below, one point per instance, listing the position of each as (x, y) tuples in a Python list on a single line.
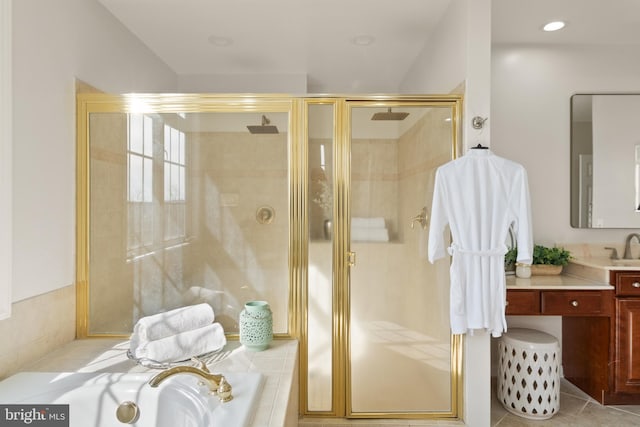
[(217, 383)]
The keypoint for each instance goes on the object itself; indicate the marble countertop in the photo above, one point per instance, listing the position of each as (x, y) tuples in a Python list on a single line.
[(557, 282), (599, 268), (609, 264)]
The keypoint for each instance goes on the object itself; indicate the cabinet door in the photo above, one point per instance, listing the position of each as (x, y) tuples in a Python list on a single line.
[(627, 371)]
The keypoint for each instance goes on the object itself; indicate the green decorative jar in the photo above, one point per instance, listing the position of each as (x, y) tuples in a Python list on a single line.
[(256, 325)]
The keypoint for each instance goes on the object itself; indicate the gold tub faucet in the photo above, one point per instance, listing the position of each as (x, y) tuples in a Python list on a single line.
[(217, 383)]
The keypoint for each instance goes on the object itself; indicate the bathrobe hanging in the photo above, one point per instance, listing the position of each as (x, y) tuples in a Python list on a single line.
[(479, 195)]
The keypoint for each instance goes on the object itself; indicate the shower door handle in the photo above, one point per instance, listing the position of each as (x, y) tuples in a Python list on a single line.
[(351, 259)]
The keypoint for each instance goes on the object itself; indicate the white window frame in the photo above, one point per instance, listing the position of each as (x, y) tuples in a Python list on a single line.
[(159, 237), (143, 247), (174, 159)]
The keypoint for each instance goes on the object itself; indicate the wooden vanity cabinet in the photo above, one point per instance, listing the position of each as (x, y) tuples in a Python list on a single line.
[(559, 302), (586, 331), (600, 334), (626, 363)]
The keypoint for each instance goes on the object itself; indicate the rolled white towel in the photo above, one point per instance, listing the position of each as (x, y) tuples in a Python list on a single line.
[(184, 345), (161, 325), (376, 222), (360, 234)]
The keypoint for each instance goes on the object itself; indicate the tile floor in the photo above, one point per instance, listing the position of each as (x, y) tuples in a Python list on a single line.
[(576, 410)]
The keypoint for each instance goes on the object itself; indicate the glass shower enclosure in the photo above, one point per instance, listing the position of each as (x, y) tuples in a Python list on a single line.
[(318, 205)]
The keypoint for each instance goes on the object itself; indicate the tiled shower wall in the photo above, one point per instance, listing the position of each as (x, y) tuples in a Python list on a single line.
[(226, 257)]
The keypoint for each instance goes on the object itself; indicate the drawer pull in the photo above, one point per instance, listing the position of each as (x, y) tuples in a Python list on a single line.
[(636, 284), (574, 303)]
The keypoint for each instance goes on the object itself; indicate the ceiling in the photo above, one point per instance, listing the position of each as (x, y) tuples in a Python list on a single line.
[(326, 39), (591, 22), (316, 38)]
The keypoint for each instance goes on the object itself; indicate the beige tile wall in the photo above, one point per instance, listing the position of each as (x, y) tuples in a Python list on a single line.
[(36, 327), (227, 258)]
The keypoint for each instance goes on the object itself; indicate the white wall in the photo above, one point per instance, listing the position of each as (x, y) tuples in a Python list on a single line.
[(441, 66), (55, 42), (242, 83), (530, 91), (5, 159)]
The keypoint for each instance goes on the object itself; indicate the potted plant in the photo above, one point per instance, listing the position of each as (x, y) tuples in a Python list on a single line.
[(510, 259), (546, 260)]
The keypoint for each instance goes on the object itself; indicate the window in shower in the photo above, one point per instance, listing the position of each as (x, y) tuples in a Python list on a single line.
[(139, 183), (175, 197)]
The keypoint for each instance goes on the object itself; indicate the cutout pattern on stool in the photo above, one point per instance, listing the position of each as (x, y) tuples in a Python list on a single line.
[(528, 380)]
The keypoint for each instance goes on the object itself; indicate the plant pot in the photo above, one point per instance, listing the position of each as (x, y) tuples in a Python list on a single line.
[(545, 270)]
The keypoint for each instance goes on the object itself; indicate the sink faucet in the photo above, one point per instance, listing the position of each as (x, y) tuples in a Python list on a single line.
[(217, 383), (627, 245)]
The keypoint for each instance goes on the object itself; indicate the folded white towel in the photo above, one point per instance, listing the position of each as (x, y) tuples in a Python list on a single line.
[(377, 222), (161, 325), (365, 234), (184, 345)]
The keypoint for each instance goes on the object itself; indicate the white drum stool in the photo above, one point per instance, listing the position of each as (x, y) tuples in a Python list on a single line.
[(529, 373)]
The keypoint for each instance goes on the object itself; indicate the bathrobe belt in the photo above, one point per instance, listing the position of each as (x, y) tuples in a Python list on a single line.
[(454, 248)]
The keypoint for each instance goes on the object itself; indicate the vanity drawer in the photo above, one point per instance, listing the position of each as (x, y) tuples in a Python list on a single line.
[(523, 302), (575, 303), (628, 284)]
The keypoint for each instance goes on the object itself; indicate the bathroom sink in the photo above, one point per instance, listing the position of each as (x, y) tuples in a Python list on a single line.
[(94, 399), (626, 262)]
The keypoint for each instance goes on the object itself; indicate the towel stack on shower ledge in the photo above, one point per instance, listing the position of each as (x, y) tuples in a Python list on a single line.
[(177, 335), (369, 230)]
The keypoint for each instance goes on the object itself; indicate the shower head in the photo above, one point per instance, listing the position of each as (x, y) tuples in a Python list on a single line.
[(389, 115), (265, 127)]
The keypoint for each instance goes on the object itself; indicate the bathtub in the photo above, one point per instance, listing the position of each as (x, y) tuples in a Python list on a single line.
[(95, 398)]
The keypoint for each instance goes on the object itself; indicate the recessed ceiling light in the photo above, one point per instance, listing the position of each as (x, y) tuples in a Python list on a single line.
[(220, 41), (554, 26), (363, 40)]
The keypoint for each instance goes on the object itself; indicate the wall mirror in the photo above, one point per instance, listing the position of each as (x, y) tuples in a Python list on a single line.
[(605, 161)]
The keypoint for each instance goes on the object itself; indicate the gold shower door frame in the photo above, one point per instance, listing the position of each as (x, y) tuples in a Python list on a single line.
[(299, 201), (341, 370)]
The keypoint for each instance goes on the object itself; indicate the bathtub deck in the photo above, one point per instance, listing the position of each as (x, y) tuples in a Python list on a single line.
[(277, 405)]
